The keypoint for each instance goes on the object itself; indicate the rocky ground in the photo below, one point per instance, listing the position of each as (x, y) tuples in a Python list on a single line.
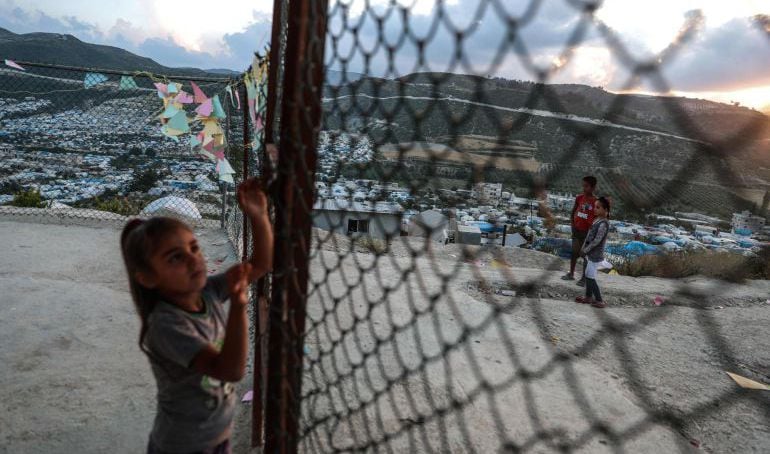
[(427, 348)]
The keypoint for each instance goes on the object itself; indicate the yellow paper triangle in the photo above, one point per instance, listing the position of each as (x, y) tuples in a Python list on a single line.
[(748, 383)]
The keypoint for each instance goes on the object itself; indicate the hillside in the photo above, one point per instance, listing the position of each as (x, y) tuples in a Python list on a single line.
[(652, 152), (67, 50)]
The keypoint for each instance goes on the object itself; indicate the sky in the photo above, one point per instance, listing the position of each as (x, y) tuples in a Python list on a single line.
[(713, 49)]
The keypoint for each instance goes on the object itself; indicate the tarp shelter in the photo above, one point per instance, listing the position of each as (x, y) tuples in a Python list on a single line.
[(172, 206), (429, 224)]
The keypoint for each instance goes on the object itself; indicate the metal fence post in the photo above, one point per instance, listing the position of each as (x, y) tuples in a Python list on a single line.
[(299, 126), (245, 169)]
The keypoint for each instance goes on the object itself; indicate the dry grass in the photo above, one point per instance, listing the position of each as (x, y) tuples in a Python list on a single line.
[(725, 266)]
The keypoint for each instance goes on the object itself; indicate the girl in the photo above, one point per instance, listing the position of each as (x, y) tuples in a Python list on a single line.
[(593, 250), (194, 348)]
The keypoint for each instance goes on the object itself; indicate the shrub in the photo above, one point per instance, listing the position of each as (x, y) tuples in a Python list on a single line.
[(119, 205), (373, 245), (720, 265), (28, 199)]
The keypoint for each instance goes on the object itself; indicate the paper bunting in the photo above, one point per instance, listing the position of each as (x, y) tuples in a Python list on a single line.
[(225, 171), (252, 111), (238, 98), (229, 91), (14, 65), (205, 109), (127, 83), (162, 90), (183, 98), (211, 128), (93, 79), (170, 111), (179, 122), (200, 97), (173, 88), (251, 89), (219, 112), (170, 133)]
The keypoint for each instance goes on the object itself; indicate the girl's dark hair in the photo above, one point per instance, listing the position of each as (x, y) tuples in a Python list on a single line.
[(605, 202), (137, 242)]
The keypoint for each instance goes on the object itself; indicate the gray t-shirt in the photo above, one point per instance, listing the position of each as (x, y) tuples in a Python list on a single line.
[(194, 411)]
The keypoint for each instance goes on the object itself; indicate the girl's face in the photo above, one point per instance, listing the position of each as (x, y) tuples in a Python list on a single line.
[(599, 210), (178, 265)]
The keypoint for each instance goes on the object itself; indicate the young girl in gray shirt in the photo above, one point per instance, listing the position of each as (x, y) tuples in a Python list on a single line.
[(593, 251), (196, 348)]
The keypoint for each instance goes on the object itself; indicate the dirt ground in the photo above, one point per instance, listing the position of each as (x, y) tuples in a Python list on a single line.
[(74, 380)]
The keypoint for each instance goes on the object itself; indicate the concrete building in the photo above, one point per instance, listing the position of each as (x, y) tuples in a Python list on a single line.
[(487, 192), (376, 220), (747, 223), (429, 224), (468, 234)]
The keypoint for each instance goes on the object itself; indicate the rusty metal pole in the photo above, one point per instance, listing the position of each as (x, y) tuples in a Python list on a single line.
[(245, 170), (299, 127), (263, 285)]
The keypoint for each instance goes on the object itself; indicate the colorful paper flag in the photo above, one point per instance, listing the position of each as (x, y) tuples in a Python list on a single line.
[(93, 79), (127, 83), (252, 111), (211, 128), (251, 89), (170, 133), (162, 90), (179, 122), (205, 109), (14, 65), (170, 111), (200, 97), (173, 88), (183, 97), (219, 112)]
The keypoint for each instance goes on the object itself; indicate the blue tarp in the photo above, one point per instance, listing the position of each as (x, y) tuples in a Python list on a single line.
[(486, 227), (632, 248)]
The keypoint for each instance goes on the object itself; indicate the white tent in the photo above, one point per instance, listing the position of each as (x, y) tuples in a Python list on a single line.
[(172, 206)]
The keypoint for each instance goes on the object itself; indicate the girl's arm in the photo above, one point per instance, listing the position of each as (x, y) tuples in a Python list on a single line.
[(253, 203), (229, 363), (601, 232)]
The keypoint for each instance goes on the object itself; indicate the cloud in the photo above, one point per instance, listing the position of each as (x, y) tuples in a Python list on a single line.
[(733, 55), (21, 21)]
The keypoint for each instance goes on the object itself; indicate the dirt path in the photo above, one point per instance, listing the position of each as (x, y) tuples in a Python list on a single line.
[(73, 379)]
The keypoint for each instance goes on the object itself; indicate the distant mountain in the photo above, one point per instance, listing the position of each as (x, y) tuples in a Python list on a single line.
[(67, 50), (223, 71)]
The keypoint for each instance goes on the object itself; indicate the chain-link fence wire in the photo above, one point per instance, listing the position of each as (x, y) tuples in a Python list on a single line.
[(412, 344), (87, 143)]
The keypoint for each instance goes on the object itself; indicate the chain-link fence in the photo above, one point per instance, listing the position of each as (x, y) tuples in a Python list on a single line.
[(101, 144), (411, 309)]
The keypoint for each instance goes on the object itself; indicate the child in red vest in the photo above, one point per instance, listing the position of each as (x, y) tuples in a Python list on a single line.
[(582, 220)]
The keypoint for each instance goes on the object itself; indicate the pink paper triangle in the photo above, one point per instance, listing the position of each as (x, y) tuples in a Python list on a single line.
[(162, 88), (183, 98), (252, 112), (200, 97), (14, 65), (205, 109)]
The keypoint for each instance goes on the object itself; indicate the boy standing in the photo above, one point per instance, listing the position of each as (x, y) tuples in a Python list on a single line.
[(582, 219)]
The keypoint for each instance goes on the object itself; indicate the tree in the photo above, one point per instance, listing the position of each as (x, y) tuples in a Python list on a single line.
[(144, 180)]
